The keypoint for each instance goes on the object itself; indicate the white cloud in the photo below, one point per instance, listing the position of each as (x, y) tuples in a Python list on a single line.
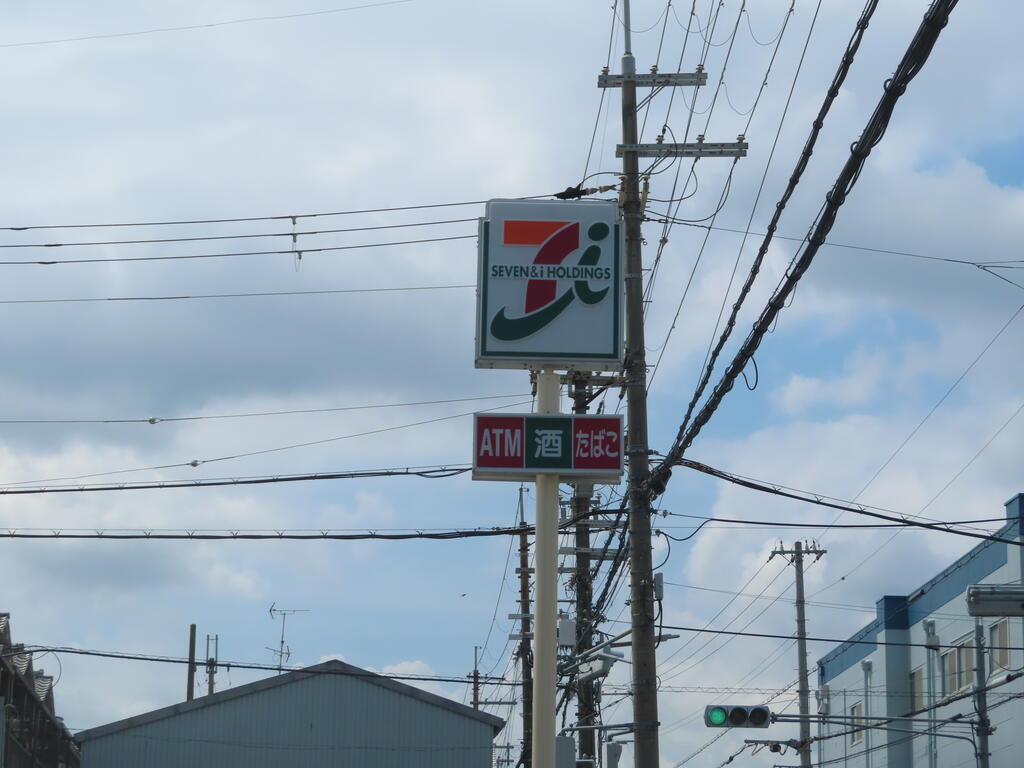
[(858, 384)]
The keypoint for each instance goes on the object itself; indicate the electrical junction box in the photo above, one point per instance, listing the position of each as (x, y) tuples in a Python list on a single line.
[(611, 752), (565, 752), (567, 632)]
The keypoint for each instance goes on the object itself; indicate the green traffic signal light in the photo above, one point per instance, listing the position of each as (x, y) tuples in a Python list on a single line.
[(737, 716)]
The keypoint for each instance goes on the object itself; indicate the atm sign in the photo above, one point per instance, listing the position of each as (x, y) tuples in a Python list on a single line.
[(520, 446)]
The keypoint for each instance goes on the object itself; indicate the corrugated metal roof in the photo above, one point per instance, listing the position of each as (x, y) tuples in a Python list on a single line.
[(332, 667), (329, 716)]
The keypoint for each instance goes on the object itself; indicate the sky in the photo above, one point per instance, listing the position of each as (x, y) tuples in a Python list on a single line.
[(390, 105)]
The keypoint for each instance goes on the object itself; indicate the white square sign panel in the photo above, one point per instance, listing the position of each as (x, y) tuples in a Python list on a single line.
[(550, 285)]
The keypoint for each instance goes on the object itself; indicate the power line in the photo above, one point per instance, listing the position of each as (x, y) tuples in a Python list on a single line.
[(820, 604), (821, 501), (208, 25), (70, 650), (764, 176), (249, 295), (284, 534), (295, 251), (294, 411), (850, 246), (839, 641), (869, 526), (805, 156), (272, 217), (430, 472), (941, 400), (909, 437), (728, 182), (941, 491), (242, 236), (248, 454), (913, 60)]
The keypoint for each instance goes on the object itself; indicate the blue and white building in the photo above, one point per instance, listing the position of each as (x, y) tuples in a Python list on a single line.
[(918, 652)]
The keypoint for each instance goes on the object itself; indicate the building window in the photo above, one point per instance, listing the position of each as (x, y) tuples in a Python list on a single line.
[(998, 643), (949, 672), (917, 689), (958, 667), (857, 721)]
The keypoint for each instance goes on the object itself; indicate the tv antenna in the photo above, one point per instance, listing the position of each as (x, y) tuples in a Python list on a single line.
[(282, 652)]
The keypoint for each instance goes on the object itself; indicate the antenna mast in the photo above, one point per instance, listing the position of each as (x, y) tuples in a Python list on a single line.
[(282, 652)]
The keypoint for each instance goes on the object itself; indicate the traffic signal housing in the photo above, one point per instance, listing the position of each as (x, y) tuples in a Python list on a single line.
[(737, 716)]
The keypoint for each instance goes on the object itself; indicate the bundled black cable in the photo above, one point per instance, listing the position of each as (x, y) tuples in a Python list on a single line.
[(794, 179), (913, 60)]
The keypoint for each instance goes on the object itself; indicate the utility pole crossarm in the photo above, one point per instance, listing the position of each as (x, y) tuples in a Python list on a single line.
[(656, 80), (689, 149)]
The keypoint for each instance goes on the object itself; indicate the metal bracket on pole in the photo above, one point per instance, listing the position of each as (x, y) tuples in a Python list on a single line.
[(595, 554), (655, 80), (688, 149)]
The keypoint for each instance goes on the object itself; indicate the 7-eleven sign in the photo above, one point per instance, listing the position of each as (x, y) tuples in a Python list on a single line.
[(550, 285)]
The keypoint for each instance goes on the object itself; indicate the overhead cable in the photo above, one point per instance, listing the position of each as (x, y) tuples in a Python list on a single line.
[(836, 640), (764, 177), (296, 251), (242, 236), (249, 295), (823, 502), (272, 217), (261, 452), (207, 25), (431, 472), (794, 179), (229, 665), (291, 412), (913, 60), (850, 246)]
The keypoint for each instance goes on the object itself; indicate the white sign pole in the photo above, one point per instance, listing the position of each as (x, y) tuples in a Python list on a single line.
[(545, 562)]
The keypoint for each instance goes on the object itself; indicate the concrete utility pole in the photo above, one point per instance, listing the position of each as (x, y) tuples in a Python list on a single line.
[(191, 691), (476, 677), (641, 587), (211, 662), (585, 706), (983, 728), (797, 554), (525, 658)]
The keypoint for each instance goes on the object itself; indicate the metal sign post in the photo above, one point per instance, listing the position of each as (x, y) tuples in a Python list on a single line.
[(545, 640)]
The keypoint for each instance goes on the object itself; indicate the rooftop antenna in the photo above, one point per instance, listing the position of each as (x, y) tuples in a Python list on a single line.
[(282, 652)]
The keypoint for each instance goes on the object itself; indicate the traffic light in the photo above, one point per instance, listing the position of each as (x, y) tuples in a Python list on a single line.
[(731, 716)]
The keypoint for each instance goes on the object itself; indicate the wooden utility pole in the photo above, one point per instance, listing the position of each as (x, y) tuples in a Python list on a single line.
[(641, 587), (476, 677), (581, 500), (797, 558), (211, 662), (982, 728), (525, 658), (190, 691), (641, 581)]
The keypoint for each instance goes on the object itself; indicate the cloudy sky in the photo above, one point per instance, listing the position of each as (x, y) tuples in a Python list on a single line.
[(425, 102)]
